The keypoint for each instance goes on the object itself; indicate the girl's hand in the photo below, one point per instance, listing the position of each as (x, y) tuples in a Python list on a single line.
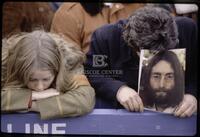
[(44, 94)]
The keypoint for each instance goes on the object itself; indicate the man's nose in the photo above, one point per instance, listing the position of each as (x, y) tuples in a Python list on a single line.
[(162, 80)]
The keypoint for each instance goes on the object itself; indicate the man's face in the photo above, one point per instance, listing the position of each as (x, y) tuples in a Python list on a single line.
[(162, 79)]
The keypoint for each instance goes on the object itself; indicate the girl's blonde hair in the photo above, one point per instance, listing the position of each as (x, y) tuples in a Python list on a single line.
[(42, 50)]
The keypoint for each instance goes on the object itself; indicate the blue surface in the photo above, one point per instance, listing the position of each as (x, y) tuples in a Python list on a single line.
[(102, 122)]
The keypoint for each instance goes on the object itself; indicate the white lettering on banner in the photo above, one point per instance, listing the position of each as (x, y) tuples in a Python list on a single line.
[(27, 128), (38, 129), (9, 128), (55, 127)]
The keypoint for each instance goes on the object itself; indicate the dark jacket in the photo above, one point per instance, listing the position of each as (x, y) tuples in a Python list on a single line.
[(108, 51)]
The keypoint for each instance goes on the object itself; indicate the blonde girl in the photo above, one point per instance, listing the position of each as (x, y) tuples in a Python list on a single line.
[(41, 72)]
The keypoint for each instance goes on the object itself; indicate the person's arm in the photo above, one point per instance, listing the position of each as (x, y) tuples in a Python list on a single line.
[(66, 23), (72, 103), (188, 35), (15, 99), (104, 86), (107, 86), (188, 38), (78, 100), (44, 94)]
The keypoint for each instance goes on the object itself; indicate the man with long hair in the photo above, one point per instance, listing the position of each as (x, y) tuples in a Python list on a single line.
[(162, 82)]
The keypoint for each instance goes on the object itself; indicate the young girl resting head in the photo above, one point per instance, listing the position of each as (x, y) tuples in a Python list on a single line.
[(41, 72)]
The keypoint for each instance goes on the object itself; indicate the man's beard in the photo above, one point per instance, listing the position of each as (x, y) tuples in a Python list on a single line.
[(164, 98)]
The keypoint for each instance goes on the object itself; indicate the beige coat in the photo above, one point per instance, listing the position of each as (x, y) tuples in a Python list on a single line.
[(71, 103), (77, 26)]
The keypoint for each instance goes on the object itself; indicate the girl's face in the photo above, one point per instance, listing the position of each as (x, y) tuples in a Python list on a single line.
[(40, 80)]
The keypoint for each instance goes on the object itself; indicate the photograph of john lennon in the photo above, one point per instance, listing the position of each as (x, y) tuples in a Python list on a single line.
[(161, 85)]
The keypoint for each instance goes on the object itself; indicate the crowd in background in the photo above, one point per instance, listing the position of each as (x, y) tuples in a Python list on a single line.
[(26, 16)]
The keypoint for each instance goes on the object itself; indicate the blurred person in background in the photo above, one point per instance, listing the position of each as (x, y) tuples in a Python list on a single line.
[(25, 17), (77, 21)]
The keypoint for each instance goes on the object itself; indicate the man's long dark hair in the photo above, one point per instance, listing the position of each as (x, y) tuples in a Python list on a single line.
[(92, 8), (177, 93)]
